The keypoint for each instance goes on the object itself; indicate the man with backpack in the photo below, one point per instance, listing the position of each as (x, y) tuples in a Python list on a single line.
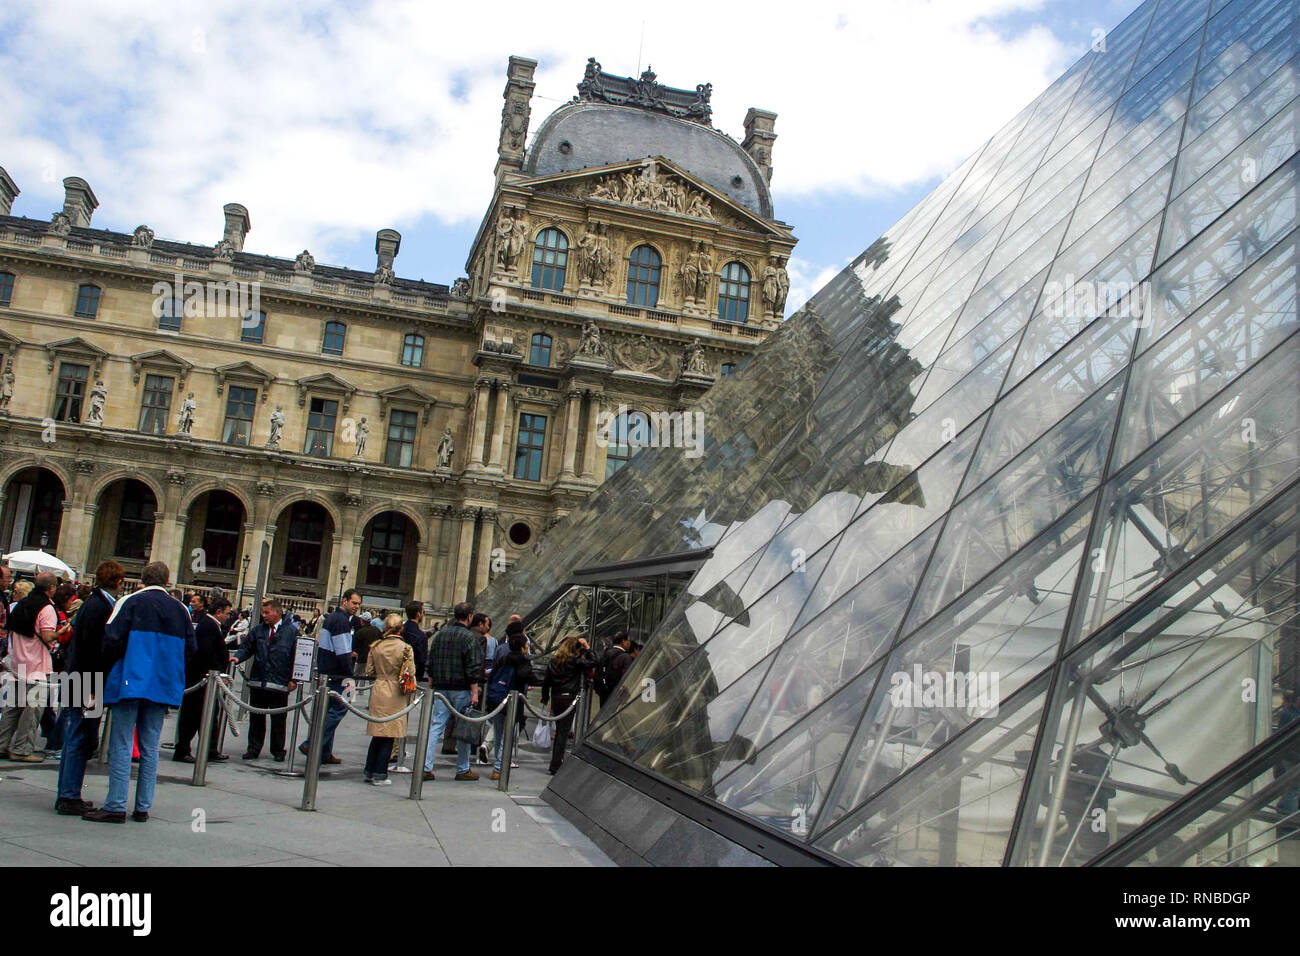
[(613, 664), (32, 627)]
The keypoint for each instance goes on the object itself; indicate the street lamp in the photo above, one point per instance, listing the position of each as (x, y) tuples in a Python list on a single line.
[(343, 573), (45, 539), (239, 591)]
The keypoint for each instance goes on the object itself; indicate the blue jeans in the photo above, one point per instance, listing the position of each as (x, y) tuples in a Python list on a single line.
[(128, 715), (333, 717), (499, 739), (79, 739), (441, 714)]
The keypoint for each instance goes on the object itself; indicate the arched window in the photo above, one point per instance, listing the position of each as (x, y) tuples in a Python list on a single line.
[(643, 277), (628, 435), (413, 350), (6, 288), (540, 352), (550, 256), (733, 293), (87, 301), (332, 343), (253, 328)]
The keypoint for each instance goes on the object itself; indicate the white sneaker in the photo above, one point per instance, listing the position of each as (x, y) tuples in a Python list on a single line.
[(381, 783)]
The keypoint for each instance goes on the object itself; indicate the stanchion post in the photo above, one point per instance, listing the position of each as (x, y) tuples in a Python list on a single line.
[(210, 693), (105, 732), (421, 744), (583, 712), (221, 716), (508, 745), (319, 705), (293, 735)]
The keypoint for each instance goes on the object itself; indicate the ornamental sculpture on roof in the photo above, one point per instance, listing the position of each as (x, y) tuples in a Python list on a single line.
[(647, 93)]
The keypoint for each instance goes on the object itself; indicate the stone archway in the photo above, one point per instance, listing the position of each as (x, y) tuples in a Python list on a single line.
[(123, 530), (31, 510), (386, 573), (214, 539), (300, 556)]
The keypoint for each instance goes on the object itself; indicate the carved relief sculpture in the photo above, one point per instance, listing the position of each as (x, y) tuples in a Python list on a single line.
[(591, 345), (384, 276), (514, 116), (60, 223), (98, 396), (142, 238), (693, 362), (224, 250), (305, 263)]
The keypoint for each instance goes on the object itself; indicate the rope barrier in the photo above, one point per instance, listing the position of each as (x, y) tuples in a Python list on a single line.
[(366, 715), (549, 717), (266, 711), (471, 720), (189, 690)]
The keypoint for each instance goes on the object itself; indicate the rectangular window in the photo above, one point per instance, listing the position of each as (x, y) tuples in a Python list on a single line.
[(169, 314), (413, 351), (87, 301), (6, 288), (157, 404), (240, 403), (253, 328), (401, 438), (70, 392), (320, 427), (528, 449), (332, 343)]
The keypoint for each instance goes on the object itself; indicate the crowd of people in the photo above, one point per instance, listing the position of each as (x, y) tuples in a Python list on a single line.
[(135, 654)]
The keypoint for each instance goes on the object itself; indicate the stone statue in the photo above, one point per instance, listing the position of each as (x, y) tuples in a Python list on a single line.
[(460, 288), (277, 427), (60, 223), (776, 286), (446, 448), (695, 272), (384, 276), (595, 258), (7, 386), (188, 408), (224, 250), (305, 263), (363, 432), (142, 238), (512, 236), (98, 396), (693, 362), (591, 344)]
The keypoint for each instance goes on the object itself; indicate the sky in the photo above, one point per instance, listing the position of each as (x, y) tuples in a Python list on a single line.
[(332, 119)]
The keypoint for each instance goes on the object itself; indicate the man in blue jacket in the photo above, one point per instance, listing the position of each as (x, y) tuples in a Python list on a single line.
[(334, 660), (147, 639)]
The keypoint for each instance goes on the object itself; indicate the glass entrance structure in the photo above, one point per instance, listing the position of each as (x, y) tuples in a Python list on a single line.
[(1003, 524)]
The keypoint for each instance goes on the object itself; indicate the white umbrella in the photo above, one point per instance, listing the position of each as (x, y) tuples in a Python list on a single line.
[(37, 561)]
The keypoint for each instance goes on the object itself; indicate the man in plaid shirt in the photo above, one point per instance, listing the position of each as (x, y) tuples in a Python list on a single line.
[(455, 670)]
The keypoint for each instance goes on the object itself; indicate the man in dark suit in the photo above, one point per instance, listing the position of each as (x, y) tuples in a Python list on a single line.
[(80, 718), (270, 645), (209, 624)]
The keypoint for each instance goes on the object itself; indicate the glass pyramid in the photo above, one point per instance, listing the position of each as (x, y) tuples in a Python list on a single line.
[(1039, 442)]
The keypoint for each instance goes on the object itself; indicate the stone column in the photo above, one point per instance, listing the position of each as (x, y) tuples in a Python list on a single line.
[(589, 456), (347, 548), (424, 573), (571, 433), (460, 587), (483, 567), (76, 533), (164, 546), (261, 528), (499, 429), (478, 422)]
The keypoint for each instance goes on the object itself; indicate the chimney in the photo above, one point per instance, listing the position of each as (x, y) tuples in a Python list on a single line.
[(387, 244), (515, 114), (79, 200), (237, 224), (759, 137), (8, 192)]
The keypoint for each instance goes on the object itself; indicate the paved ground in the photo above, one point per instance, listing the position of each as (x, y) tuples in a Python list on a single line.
[(251, 817)]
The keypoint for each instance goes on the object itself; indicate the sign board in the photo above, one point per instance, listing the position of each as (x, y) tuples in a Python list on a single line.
[(304, 656)]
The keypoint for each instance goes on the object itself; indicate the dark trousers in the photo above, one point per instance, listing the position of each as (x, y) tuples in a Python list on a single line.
[(187, 724), (377, 757), (559, 704), (261, 697)]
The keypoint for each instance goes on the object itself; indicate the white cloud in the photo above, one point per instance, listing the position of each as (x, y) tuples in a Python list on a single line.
[(329, 121), (806, 278)]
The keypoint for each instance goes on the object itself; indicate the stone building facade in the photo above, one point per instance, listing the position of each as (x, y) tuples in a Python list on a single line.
[(264, 421)]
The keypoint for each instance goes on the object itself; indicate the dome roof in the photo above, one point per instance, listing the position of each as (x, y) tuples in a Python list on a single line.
[(583, 134)]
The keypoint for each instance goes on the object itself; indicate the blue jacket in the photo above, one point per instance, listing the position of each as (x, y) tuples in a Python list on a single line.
[(334, 645), (147, 639)]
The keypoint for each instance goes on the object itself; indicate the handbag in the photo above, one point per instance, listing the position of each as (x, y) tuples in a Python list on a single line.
[(471, 733), (542, 735), (408, 682)]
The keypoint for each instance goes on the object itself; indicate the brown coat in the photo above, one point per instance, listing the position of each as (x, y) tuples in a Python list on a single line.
[(387, 660)]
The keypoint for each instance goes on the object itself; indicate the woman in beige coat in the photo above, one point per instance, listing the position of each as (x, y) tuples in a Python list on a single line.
[(389, 659)]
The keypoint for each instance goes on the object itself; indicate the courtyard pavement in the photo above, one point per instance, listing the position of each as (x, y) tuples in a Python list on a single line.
[(250, 817)]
